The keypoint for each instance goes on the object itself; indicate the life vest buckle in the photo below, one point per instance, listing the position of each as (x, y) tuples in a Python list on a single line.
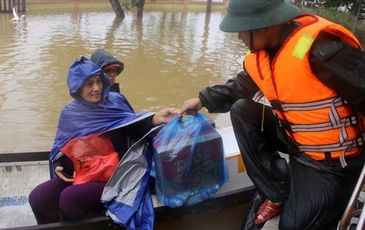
[(276, 105)]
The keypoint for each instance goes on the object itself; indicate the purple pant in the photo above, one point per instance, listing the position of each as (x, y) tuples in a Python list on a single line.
[(56, 200)]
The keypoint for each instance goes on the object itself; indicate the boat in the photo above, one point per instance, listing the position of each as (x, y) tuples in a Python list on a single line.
[(21, 172)]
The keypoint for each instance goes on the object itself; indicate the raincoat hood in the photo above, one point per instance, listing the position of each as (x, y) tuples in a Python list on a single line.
[(102, 59), (80, 118), (78, 74)]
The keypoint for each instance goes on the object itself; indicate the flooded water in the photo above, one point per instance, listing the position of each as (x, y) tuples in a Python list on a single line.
[(169, 56)]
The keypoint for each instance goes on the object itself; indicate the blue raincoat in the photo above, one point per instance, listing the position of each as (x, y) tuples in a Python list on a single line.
[(81, 118), (127, 194)]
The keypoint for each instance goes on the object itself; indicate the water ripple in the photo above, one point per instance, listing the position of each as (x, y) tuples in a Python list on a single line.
[(169, 56)]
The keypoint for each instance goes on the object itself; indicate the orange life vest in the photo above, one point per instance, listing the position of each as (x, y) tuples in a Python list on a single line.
[(320, 122)]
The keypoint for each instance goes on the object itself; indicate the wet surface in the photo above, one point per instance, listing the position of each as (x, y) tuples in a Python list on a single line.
[(169, 55)]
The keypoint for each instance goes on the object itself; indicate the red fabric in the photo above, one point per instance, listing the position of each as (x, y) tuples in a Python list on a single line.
[(267, 210), (93, 158)]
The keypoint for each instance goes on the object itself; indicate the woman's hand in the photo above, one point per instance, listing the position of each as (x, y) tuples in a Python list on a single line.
[(59, 172), (164, 116), (191, 106)]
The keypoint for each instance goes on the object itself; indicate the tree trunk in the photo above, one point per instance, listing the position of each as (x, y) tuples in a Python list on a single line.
[(117, 8), (186, 6), (209, 6), (140, 6)]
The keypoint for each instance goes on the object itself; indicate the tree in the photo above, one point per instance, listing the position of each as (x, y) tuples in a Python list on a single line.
[(119, 12), (140, 5), (350, 5)]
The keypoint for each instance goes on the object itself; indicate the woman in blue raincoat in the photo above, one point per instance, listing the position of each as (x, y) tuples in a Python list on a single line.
[(94, 131)]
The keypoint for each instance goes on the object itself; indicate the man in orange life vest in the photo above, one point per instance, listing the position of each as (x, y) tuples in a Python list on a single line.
[(312, 72)]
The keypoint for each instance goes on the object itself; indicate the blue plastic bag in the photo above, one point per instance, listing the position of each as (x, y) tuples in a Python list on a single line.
[(189, 161)]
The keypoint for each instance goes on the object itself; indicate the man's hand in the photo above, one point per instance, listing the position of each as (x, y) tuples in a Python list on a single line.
[(164, 116), (191, 106), (58, 171)]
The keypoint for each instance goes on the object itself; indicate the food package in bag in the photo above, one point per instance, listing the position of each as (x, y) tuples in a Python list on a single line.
[(189, 161)]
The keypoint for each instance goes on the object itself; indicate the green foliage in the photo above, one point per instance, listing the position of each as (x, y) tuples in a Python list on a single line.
[(334, 10), (344, 18), (127, 6), (350, 5), (337, 3)]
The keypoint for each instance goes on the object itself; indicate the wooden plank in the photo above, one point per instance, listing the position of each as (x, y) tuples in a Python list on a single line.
[(102, 222), (21, 157), (161, 213)]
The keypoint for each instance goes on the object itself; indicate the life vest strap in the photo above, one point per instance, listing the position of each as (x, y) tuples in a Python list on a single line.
[(308, 106), (344, 122), (345, 146)]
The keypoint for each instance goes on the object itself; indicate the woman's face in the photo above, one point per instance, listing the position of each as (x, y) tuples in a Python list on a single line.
[(92, 89)]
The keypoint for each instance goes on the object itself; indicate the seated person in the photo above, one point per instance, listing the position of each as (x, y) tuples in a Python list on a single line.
[(94, 131), (110, 65)]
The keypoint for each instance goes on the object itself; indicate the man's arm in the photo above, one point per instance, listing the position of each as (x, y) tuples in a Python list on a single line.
[(219, 98), (341, 67)]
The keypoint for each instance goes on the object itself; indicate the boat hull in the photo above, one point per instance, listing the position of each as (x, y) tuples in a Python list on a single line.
[(21, 172)]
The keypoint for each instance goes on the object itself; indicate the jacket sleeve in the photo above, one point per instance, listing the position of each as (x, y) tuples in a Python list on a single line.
[(220, 98), (341, 67)]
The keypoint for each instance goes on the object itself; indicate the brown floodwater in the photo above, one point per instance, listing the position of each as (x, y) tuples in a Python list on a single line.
[(169, 54)]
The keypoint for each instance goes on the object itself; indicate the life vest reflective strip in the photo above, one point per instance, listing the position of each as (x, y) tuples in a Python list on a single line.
[(313, 115), (333, 147), (336, 101), (323, 126)]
